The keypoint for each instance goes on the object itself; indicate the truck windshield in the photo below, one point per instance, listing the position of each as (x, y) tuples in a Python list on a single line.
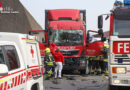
[(121, 27), (67, 37)]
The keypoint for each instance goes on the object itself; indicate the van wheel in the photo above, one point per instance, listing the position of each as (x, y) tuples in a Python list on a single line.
[(35, 87)]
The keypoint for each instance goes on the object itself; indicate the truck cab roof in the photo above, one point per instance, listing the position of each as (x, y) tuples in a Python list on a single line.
[(62, 14)]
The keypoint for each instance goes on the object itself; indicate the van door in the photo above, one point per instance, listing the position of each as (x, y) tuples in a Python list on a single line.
[(33, 60), (16, 72)]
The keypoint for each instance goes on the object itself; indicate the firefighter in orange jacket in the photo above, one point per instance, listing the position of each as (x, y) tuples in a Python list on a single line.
[(59, 61)]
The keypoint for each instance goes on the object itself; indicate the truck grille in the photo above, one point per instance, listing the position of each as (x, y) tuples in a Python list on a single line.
[(122, 56), (124, 81), (69, 52)]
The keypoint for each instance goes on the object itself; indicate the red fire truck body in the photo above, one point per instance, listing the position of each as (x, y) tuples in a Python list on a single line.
[(119, 51)]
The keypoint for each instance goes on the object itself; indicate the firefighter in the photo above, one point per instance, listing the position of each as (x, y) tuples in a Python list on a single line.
[(90, 64), (59, 61), (49, 63), (105, 59), (101, 63), (95, 65)]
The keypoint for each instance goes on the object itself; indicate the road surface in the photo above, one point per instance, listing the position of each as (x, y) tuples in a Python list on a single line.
[(77, 83)]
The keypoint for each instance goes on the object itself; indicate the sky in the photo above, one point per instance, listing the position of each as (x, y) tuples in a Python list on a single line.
[(93, 8)]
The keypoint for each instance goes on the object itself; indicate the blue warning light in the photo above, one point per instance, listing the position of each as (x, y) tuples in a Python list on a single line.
[(118, 3), (120, 60), (126, 2)]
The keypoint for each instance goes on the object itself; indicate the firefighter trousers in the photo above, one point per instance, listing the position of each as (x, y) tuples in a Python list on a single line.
[(95, 65), (101, 65), (105, 67), (90, 65), (49, 71)]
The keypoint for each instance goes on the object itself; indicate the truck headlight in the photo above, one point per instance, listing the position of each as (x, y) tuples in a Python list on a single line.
[(121, 70), (116, 81)]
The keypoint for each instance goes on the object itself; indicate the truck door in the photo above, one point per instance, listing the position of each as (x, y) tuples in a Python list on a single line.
[(33, 61), (16, 77), (93, 47)]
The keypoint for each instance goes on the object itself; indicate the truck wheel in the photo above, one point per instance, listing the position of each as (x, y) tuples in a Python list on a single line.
[(124, 88), (86, 69), (82, 72), (110, 87)]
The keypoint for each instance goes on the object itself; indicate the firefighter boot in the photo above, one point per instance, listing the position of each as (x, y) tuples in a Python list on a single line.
[(98, 72), (48, 76), (106, 73)]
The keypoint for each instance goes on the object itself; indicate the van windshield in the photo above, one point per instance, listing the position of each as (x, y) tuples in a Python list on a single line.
[(67, 37)]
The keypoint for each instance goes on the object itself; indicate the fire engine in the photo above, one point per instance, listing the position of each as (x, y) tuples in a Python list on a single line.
[(119, 41), (20, 62), (67, 29)]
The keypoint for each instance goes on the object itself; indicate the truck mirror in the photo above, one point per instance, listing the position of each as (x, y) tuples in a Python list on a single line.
[(100, 21), (50, 31), (100, 32), (43, 40), (33, 32), (88, 38), (46, 30), (3, 69), (107, 17), (103, 39)]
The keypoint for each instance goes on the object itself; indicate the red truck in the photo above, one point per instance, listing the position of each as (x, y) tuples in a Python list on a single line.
[(67, 29)]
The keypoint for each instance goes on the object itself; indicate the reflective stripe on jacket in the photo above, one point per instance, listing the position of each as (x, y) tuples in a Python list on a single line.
[(96, 58), (49, 60)]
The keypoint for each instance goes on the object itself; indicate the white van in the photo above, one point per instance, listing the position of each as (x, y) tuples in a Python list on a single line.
[(20, 62)]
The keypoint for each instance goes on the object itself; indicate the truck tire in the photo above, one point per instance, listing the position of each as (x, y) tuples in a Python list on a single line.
[(110, 87), (82, 72), (124, 88), (86, 69), (118, 87)]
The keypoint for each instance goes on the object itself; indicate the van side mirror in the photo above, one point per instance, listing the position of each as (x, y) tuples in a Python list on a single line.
[(3, 69), (100, 21)]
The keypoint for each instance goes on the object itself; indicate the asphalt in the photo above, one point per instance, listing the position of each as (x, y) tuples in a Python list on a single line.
[(77, 82)]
